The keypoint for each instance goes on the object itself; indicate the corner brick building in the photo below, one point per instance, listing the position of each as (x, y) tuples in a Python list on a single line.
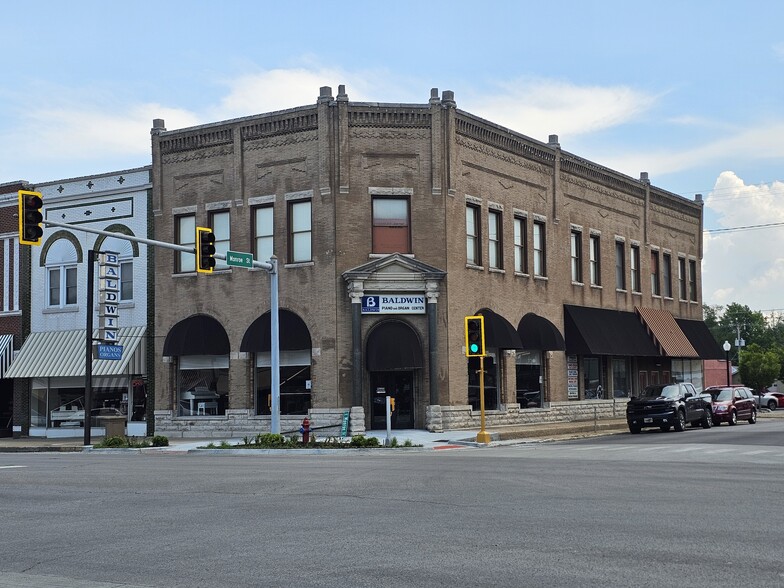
[(390, 224)]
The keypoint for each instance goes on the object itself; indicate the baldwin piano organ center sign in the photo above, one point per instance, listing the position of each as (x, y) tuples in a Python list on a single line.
[(108, 297), (394, 304)]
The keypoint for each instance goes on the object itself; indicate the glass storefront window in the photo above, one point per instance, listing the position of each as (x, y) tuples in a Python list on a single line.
[(688, 370), (621, 382), (528, 372), (295, 382), (593, 381), (203, 392), (491, 382)]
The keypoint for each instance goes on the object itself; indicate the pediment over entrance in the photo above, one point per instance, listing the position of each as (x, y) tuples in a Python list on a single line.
[(394, 272)]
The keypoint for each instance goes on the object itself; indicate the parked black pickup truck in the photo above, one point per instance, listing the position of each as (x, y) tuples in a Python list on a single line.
[(669, 405)]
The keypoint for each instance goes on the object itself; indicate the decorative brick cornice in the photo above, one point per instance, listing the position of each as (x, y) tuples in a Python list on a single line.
[(389, 116)]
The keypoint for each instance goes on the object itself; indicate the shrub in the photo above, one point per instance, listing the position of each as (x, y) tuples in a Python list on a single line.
[(362, 441), (116, 441), (160, 441)]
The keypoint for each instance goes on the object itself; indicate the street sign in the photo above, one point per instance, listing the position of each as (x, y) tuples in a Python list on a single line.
[(239, 259), (109, 351)]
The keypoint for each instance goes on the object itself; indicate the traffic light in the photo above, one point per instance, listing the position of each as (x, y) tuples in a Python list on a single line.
[(205, 250), (30, 218), (475, 336)]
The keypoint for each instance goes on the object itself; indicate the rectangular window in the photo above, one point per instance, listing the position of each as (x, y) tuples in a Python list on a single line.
[(520, 238), (126, 281), (577, 256), (635, 268), (620, 265), (185, 234), (596, 267), (473, 252), (495, 250), (667, 275), (221, 227), (263, 231), (300, 232), (682, 278), (655, 274), (62, 286), (692, 280), (391, 226), (540, 257)]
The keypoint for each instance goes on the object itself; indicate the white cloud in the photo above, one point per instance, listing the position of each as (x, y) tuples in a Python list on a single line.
[(541, 107), (745, 266)]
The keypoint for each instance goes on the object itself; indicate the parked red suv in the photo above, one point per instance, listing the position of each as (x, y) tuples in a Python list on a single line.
[(731, 403)]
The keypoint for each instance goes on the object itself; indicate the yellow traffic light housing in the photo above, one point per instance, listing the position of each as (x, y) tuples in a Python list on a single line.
[(30, 218), (475, 336), (205, 250)]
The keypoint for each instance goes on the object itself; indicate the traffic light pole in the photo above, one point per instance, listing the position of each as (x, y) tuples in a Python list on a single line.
[(271, 267), (482, 436)]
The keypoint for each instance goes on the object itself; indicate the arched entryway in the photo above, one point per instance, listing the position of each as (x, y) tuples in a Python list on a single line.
[(295, 361), (538, 336), (394, 362), (201, 346)]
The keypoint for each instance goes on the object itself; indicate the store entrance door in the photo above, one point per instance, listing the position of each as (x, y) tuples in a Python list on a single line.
[(398, 385)]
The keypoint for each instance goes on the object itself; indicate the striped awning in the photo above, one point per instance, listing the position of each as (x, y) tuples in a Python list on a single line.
[(666, 333), (62, 354), (6, 353)]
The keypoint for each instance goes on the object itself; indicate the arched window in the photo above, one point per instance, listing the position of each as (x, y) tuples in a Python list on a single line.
[(61, 274), (124, 250)]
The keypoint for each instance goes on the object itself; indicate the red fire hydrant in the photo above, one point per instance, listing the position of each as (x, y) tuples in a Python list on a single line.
[(305, 430)]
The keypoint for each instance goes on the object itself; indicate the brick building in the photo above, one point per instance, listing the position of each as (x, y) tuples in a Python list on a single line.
[(391, 223)]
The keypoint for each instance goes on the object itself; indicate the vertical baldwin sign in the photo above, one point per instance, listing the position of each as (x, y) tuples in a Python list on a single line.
[(109, 306)]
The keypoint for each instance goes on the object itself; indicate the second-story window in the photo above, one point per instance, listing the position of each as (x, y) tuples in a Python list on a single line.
[(540, 257), (300, 231), (692, 280), (635, 268), (682, 278), (576, 248), (263, 231), (126, 281), (595, 261), (520, 250), (655, 273), (620, 265), (667, 275), (221, 226), (473, 250), (185, 234), (391, 232), (495, 251), (61, 274)]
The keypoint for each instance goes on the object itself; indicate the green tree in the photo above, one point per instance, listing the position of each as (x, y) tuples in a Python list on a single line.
[(758, 368)]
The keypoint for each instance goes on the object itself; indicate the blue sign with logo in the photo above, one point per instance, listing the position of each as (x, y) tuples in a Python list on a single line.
[(394, 304), (110, 351)]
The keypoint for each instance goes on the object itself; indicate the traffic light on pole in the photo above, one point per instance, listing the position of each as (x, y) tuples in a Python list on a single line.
[(30, 218), (475, 336), (205, 250)]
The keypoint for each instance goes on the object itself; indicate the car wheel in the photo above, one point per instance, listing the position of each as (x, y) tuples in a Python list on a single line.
[(771, 405), (680, 421), (665, 428), (733, 418), (634, 429), (753, 417), (707, 420)]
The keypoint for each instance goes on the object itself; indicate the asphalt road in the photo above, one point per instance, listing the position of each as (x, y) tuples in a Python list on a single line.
[(643, 510)]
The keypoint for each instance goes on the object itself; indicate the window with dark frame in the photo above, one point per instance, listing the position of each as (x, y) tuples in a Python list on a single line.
[(494, 242), (300, 232), (595, 260), (126, 281), (655, 281), (391, 226), (667, 275), (540, 254), (520, 236), (682, 278), (635, 268), (576, 248), (220, 222), (620, 265), (692, 280), (473, 235)]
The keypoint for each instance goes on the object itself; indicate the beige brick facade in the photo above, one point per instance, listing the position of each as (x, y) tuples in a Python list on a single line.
[(339, 155)]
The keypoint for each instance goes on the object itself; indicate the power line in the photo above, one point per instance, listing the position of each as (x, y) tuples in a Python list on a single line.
[(746, 228)]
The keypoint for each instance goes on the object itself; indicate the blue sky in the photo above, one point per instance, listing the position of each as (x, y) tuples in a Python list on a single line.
[(690, 91)]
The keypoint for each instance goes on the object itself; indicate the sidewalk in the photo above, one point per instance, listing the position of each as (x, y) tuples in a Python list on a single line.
[(533, 433)]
